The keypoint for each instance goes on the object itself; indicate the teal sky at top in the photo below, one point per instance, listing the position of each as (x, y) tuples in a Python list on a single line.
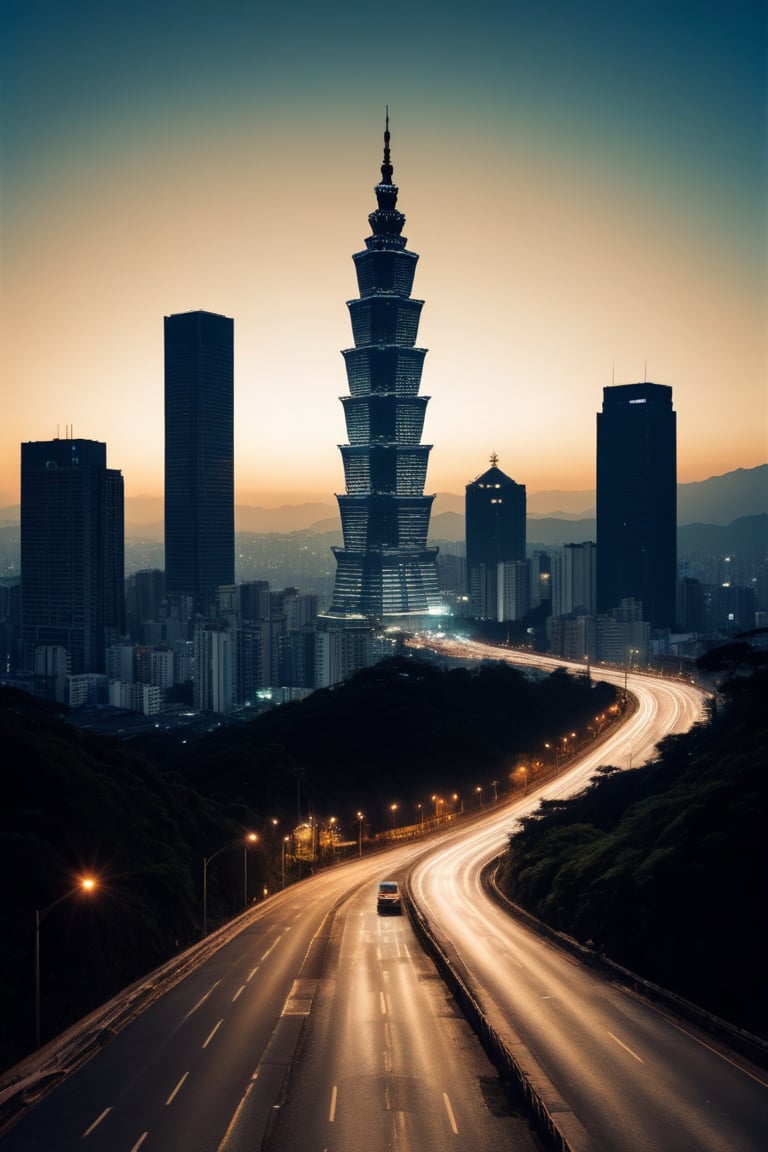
[(684, 83), (583, 181)]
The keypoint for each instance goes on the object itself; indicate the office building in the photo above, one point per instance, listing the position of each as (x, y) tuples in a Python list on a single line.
[(574, 575), (215, 664), (495, 508), (637, 501), (144, 596), (72, 552), (199, 457), (385, 570)]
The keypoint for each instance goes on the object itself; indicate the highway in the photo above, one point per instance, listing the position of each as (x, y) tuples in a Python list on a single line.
[(386, 1060), (318, 1025), (616, 1072)]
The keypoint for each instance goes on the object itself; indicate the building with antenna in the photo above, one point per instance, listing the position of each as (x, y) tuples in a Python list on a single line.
[(72, 556), (637, 501), (497, 575), (385, 571)]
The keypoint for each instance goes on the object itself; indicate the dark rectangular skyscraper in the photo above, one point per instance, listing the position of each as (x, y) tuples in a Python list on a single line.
[(637, 500), (72, 551), (199, 456)]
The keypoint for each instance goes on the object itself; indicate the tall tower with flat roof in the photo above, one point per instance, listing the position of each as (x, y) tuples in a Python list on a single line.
[(72, 552), (199, 456), (637, 501)]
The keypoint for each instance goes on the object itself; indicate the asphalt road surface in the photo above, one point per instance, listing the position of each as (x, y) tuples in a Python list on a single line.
[(320, 1025)]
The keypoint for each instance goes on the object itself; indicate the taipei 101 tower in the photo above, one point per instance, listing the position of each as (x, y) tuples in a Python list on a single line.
[(385, 570)]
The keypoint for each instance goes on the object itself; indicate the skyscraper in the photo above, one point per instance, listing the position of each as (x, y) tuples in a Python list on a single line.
[(385, 569), (72, 552), (199, 456), (637, 501), (495, 509)]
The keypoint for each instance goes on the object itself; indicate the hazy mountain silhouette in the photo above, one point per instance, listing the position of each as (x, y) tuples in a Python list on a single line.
[(554, 516)]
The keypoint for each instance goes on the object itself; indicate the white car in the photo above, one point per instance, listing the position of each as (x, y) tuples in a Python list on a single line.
[(388, 899)]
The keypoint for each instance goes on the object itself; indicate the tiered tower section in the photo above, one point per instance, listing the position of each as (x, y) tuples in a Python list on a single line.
[(385, 569)]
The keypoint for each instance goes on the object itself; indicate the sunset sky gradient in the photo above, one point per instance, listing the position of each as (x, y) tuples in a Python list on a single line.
[(585, 185)]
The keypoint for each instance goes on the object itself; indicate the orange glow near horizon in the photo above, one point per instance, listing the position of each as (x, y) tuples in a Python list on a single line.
[(570, 235)]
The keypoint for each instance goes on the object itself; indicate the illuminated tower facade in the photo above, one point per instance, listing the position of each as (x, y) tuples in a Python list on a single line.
[(637, 501), (385, 569)]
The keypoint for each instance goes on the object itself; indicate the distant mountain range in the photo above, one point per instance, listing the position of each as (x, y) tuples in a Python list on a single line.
[(554, 517)]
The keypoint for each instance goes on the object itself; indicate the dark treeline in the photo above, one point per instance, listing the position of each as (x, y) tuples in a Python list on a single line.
[(665, 868), (140, 815), (396, 733)]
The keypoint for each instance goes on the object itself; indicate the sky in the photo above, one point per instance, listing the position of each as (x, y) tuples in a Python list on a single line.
[(585, 185)]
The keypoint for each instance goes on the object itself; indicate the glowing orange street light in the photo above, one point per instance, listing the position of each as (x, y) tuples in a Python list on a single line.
[(87, 884), (251, 838), (286, 840)]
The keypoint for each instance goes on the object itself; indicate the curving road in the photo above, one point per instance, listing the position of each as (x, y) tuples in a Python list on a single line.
[(318, 1025), (385, 1060), (615, 1072)]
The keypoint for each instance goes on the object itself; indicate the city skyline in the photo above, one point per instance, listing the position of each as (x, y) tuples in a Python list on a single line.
[(586, 192)]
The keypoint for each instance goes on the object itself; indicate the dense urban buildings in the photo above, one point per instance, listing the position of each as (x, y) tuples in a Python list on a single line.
[(72, 557), (190, 640), (637, 501), (199, 458), (385, 570), (497, 576)]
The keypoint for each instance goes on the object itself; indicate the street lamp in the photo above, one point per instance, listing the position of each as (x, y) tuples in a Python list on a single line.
[(87, 884), (393, 809), (251, 838), (285, 841), (206, 861), (360, 819)]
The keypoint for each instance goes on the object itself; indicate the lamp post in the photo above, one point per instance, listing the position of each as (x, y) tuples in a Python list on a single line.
[(360, 818), (251, 838), (282, 863), (206, 861), (87, 884)]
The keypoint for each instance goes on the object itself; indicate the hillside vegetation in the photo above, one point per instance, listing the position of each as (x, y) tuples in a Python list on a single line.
[(664, 868), (398, 732)]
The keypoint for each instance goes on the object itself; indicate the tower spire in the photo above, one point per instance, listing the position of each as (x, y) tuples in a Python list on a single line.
[(386, 222), (386, 168)]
